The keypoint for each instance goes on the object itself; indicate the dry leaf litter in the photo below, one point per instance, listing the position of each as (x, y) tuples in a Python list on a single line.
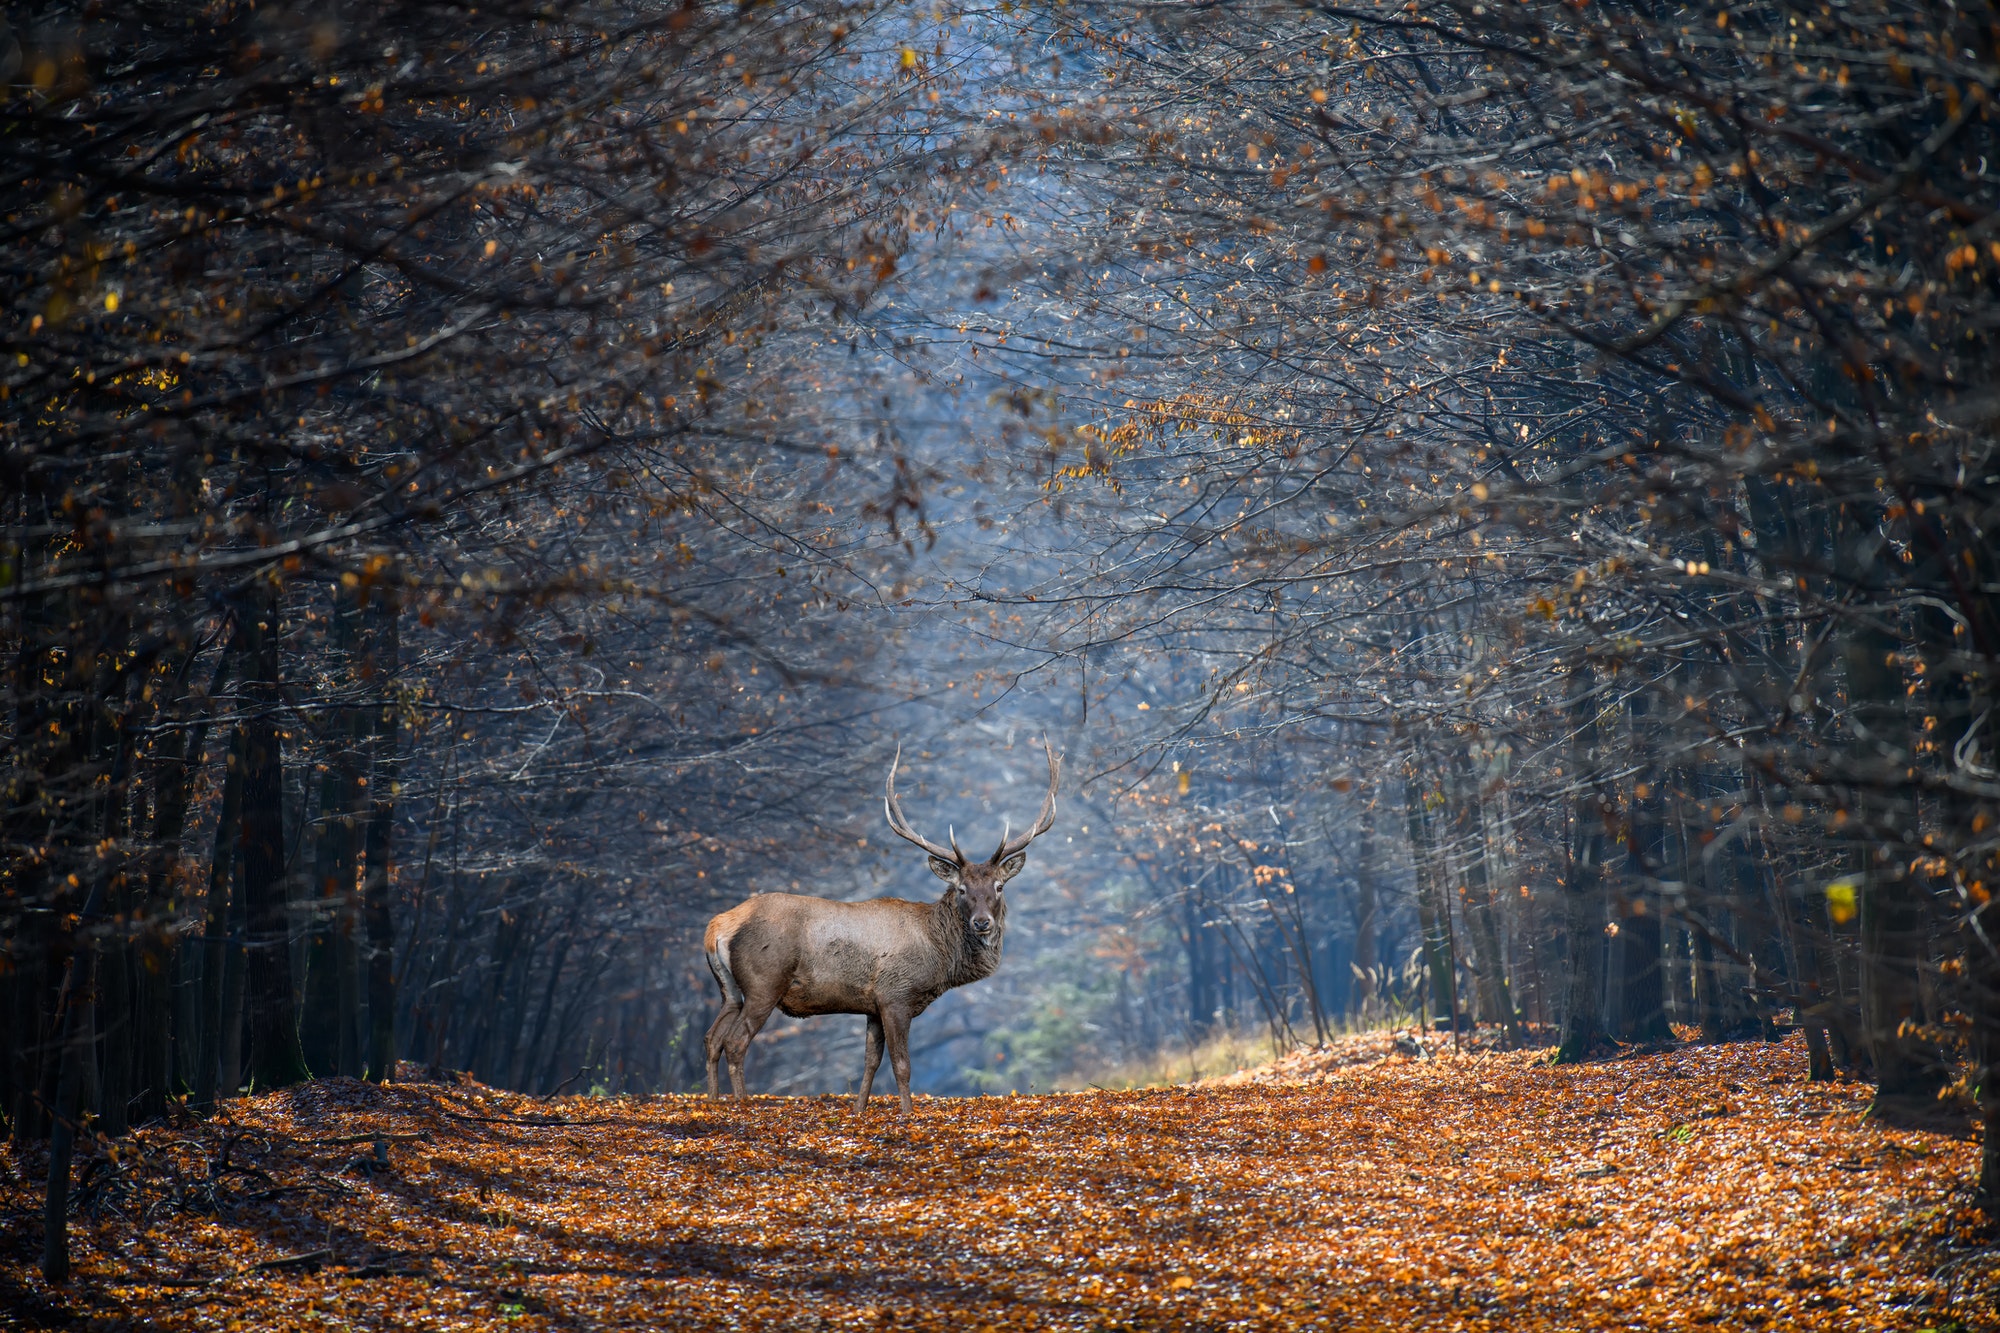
[(1385, 1182)]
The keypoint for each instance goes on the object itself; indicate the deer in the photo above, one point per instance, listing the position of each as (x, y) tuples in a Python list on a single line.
[(887, 958)]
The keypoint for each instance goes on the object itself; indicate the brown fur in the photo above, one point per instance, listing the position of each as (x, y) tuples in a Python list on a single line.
[(887, 958)]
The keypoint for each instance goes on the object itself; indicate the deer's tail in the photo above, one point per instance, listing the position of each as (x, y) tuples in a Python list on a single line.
[(718, 963)]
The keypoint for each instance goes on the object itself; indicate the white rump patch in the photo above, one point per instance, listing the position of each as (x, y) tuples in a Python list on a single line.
[(718, 963)]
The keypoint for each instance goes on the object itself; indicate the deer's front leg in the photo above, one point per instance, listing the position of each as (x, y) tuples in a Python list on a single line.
[(870, 1063), (896, 1028)]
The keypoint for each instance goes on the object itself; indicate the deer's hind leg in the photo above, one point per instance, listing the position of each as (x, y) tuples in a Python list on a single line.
[(749, 1022), (717, 947), (870, 1063), (732, 1010), (718, 1035)]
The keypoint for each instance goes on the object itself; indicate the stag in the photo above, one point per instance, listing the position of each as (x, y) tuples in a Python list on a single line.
[(886, 958)]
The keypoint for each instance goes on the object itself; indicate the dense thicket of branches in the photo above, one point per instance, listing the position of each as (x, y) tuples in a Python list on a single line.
[(1580, 417), (415, 472), (1496, 503)]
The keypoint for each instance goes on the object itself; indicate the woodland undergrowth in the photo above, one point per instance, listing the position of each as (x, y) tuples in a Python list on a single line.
[(1672, 1188)]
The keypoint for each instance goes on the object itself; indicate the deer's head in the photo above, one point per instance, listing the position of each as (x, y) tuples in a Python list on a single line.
[(975, 885)]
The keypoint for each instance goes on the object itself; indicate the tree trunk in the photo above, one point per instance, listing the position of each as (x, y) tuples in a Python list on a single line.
[(1496, 997), (216, 946), (114, 1007), (1641, 941), (235, 986), (1908, 1070), (112, 699), (275, 1058), (176, 759), (380, 665), (1982, 985), (77, 1026), (1438, 962), (329, 1017), (1894, 924), (1894, 934), (34, 957), (1583, 1032), (114, 1016), (1201, 1004), (533, 1056), (156, 954), (35, 762), (1361, 1002), (381, 945), (320, 1010)]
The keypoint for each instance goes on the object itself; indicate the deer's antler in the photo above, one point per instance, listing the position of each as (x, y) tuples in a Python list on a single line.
[(901, 827), (1009, 846)]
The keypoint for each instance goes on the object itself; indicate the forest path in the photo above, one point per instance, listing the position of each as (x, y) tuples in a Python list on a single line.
[(1707, 1185)]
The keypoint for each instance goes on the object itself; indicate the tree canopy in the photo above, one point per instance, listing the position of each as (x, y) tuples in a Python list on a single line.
[(1494, 503)]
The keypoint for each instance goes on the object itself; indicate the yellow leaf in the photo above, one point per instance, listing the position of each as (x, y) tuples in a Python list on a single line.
[(1840, 904), (1181, 1283)]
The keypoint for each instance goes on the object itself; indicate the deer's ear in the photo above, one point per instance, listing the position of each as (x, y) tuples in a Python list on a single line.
[(1012, 866), (944, 870)]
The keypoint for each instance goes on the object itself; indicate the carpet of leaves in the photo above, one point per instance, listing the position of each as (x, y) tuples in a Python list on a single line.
[(1362, 1186)]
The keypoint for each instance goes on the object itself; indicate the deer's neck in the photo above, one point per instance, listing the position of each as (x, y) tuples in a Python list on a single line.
[(967, 957)]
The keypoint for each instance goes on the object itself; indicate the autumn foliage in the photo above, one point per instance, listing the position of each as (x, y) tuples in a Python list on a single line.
[(483, 487), (1360, 1186)]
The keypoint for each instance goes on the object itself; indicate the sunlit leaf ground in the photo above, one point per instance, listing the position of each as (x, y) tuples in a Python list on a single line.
[(1708, 1186)]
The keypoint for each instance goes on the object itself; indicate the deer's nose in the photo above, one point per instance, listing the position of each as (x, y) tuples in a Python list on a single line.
[(982, 924)]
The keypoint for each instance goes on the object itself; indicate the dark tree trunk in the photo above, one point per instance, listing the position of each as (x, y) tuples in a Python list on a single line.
[(176, 760), (1641, 940), (1895, 926), (31, 953), (380, 666), (11, 994), (77, 1024), (53, 1038), (156, 955), (35, 766), (1201, 1004), (1366, 911), (110, 750), (329, 1016), (235, 986), (347, 958), (486, 1053), (322, 1012), (217, 948), (1982, 996), (1433, 912), (1496, 997), (1583, 1033), (1909, 1071), (1709, 978), (114, 1019), (533, 1056), (275, 1058), (1894, 918)]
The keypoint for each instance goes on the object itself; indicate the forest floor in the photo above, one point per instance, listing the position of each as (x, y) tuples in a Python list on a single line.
[(1358, 1187)]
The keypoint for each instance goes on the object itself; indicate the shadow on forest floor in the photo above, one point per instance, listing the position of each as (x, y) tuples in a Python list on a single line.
[(1435, 1190)]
